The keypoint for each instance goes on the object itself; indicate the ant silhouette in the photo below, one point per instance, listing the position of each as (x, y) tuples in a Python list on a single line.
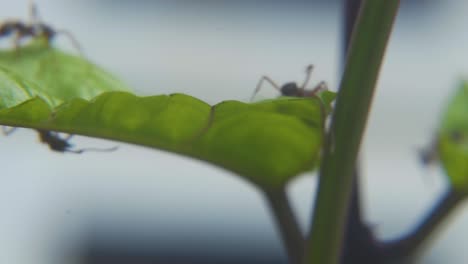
[(291, 88), (430, 154), (33, 29), (56, 143)]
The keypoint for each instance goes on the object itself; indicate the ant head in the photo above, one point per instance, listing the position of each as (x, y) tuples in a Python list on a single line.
[(290, 89)]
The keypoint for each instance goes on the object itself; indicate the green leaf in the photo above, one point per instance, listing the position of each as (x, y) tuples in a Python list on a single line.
[(53, 75), (267, 143), (453, 139)]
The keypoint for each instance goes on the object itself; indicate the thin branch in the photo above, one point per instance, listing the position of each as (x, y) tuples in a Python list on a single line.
[(406, 247), (292, 237), (359, 245)]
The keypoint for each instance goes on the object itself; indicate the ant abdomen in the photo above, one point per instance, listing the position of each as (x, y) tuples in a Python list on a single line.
[(290, 89)]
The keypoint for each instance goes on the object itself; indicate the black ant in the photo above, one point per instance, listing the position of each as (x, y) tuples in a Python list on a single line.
[(56, 143), (33, 29), (291, 88)]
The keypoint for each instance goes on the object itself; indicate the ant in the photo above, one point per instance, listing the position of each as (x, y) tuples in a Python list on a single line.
[(56, 143), (430, 155), (291, 88), (34, 29)]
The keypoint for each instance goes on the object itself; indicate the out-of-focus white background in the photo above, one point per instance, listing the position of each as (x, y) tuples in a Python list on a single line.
[(217, 50)]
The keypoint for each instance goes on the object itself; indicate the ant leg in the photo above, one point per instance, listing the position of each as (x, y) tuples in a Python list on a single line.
[(8, 130), (16, 44), (259, 85), (16, 41), (309, 69), (322, 86), (79, 151), (73, 40)]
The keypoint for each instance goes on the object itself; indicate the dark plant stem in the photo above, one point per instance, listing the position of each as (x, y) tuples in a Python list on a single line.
[(351, 10), (291, 235), (406, 247), (359, 245)]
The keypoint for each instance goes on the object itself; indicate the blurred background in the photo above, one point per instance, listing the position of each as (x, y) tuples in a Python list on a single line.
[(138, 205)]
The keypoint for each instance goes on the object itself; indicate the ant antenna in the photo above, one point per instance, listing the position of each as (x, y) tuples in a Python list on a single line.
[(307, 78), (259, 85), (33, 13)]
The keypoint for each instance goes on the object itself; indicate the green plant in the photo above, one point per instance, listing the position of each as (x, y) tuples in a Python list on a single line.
[(45, 89)]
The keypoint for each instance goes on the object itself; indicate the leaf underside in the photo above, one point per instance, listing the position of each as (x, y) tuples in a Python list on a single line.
[(267, 143)]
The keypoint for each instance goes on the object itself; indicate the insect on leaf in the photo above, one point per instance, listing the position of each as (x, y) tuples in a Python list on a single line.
[(267, 143)]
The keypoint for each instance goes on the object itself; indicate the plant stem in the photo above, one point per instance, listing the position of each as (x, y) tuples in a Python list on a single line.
[(359, 242), (366, 52), (403, 249), (292, 237)]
